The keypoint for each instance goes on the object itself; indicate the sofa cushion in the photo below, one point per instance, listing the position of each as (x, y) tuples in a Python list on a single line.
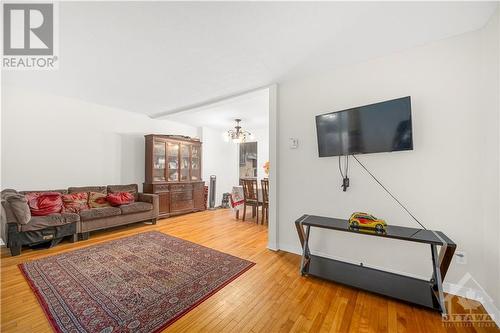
[(19, 207), (120, 198), (136, 207), (42, 222), (130, 188), (44, 203), (44, 191), (99, 213), (99, 189), (98, 200)]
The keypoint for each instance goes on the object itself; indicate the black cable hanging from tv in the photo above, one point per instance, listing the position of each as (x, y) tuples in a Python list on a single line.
[(345, 178), (389, 192)]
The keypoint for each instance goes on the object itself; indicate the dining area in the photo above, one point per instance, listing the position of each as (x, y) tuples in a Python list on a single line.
[(251, 196)]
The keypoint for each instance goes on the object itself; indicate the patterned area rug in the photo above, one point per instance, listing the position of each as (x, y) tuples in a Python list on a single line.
[(141, 283)]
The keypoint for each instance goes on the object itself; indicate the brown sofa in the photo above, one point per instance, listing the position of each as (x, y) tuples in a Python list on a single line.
[(56, 226)]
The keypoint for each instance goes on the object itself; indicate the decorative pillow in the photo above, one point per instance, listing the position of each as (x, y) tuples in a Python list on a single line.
[(120, 198), (75, 202), (19, 206), (44, 203), (98, 200), (131, 188)]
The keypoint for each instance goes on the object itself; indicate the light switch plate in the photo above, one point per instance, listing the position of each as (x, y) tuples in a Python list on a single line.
[(294, 143)]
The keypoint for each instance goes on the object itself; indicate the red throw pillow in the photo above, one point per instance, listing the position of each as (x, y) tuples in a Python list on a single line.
[(98, 200), (120, 198), (75, 202), (44, 203)]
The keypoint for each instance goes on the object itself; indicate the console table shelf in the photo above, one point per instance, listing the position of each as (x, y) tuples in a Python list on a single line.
[(428, 293)]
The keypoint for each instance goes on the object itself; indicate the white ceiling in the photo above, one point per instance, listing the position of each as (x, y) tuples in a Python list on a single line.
[(251, 108), (153, 57)]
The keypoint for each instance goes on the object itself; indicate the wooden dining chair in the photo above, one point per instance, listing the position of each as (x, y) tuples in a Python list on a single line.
[(251, 197), (265, 199)]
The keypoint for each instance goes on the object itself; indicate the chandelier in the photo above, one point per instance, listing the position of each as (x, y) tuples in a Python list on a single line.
[(237, 135)]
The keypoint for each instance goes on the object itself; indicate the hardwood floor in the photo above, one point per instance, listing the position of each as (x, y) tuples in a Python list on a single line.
[(270, 297)]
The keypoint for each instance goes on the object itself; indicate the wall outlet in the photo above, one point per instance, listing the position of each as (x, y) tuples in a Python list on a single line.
[(461, 257)]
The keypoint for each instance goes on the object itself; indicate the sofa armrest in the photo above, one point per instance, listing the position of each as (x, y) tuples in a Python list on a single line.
[(147, 197), (152, 199), (16, 209), (8, 215)]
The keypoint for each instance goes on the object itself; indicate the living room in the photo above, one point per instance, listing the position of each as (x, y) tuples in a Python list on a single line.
[(376, 119)]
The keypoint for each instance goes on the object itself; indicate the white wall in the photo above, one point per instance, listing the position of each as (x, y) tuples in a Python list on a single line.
[(491, 171), (220, 158), (55, 142), (450, 180), (497, 18)]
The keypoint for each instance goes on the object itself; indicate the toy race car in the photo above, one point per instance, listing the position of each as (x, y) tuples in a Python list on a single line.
[(364, 220)]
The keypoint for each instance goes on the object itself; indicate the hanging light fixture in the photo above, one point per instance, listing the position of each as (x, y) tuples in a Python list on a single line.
[(238, 135)]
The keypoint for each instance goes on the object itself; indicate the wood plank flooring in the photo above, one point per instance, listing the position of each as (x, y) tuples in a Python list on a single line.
[(270, 297)]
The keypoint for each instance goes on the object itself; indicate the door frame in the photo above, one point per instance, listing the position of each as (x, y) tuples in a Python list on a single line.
[(273, 225)]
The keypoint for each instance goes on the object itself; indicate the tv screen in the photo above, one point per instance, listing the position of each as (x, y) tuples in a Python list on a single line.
[(374, 128)]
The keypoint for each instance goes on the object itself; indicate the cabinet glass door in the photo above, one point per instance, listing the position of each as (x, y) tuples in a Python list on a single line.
[(195, 163), (159, 154), (185, 162), (173, 162)]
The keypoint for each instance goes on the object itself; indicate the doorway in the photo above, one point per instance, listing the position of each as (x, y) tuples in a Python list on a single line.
[(232, 160)]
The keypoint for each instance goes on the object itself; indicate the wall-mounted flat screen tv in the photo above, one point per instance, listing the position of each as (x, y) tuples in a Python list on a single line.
[(374, 128)]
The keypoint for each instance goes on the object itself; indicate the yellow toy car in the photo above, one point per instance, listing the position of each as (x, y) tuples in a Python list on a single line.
[(364, 220)]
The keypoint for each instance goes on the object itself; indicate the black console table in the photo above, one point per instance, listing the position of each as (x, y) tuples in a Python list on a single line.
[(428, 293)]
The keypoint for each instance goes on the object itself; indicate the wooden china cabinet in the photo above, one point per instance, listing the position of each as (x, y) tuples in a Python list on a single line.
[(173, 171)]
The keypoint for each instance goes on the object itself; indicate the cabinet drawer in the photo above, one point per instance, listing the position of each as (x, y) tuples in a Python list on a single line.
[(181, 196), (181, 205), (181, 187), (161, 188)]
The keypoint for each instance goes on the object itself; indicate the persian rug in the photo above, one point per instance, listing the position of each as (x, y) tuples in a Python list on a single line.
[(141, 283)]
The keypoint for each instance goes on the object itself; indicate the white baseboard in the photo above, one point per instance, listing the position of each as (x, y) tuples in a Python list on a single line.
[(272, 247), (2, 243), (479, 294)]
